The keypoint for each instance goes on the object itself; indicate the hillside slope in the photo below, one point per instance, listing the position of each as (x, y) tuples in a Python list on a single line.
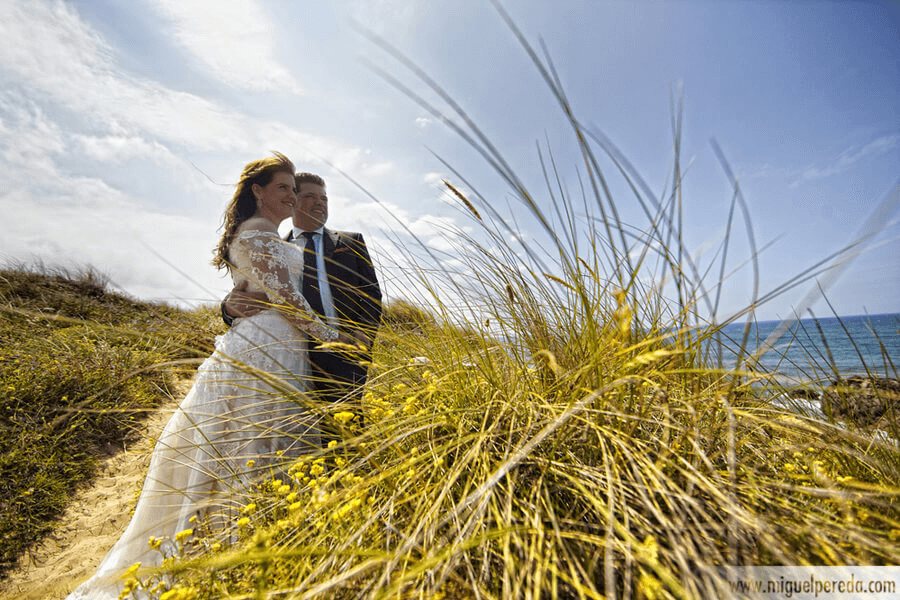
[(80, 367)]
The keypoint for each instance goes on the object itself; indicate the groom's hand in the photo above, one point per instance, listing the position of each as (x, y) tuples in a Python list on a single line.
[(241, 303)]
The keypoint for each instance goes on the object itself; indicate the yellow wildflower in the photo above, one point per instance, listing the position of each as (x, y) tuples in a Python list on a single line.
[(648, 550), (332, 444), (243, 522), (132, 570), (649, 587), (179, 593), (343, 417), (251, 462), (183, 535), (129, 587)]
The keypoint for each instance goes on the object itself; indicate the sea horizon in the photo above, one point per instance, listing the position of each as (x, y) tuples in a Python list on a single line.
[(822, 349)]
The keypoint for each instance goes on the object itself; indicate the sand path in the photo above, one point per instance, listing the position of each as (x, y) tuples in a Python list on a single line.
[(93, 522)]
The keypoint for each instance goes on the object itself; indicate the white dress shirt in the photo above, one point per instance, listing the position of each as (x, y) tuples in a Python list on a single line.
[(324, 288)]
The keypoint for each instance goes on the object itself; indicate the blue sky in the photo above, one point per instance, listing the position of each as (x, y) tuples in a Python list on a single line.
[(122, 125)]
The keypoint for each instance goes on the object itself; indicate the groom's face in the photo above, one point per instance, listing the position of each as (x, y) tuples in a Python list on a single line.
[(311, 209)]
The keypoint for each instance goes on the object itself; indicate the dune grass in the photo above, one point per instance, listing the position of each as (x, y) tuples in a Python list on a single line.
[(79, 367), (557, 424), (614, 466)]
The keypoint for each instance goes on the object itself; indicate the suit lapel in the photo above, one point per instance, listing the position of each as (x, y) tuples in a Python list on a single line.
[(330, 241)]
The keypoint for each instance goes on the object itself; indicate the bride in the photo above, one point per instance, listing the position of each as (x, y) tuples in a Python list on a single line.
[(237, 418)]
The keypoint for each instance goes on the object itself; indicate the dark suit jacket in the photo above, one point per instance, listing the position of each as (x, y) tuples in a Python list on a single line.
[(352, 279), (357, 305)]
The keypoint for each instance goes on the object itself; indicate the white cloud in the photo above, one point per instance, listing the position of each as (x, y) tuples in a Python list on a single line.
[(51, 54), (80, 221), (117, 148), (27, 136), (48, 49), (233, 40), (848, 158)]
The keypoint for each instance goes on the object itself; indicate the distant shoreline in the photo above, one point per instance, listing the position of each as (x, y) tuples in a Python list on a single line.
[(814, 319)]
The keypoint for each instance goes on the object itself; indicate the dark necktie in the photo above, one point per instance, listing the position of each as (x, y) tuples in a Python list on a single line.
[(311, 275)]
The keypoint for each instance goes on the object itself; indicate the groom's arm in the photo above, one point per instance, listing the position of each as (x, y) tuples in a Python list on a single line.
[(241, 303), (366, 291)]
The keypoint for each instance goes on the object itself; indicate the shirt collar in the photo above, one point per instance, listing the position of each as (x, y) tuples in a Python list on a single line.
[(298, 233)]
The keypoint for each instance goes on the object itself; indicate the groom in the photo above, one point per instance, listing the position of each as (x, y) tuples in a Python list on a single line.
[(339, 283)]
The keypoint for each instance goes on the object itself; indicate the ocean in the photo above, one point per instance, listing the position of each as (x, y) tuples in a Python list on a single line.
[(816, 350)]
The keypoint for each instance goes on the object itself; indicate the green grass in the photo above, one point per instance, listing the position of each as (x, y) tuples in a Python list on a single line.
[(79, 367)]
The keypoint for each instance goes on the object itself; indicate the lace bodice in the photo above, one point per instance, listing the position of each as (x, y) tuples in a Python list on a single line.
[(275, 266)]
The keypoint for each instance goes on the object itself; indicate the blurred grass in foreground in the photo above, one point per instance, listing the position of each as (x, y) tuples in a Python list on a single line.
[(78, 367)]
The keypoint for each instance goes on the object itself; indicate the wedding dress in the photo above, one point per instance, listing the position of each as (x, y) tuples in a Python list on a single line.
[(233, 424)]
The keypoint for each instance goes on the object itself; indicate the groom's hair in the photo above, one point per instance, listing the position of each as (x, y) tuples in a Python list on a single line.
[(307, 178)]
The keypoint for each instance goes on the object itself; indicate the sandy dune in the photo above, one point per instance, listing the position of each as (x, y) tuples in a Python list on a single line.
[(93, 522)]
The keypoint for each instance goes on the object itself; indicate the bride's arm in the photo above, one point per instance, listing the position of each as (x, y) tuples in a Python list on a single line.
[(267, 256)]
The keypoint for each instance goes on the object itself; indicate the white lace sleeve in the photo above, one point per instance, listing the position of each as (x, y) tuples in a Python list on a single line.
[(264, 259)]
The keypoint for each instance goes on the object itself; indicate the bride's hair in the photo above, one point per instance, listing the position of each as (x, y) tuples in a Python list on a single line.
[(243, 203)]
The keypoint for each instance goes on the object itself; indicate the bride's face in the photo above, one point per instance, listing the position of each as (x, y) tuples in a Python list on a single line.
[(277, 199)]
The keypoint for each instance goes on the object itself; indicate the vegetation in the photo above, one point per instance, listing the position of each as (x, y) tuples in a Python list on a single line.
[(555, 426), (78, 367), (581, 463)]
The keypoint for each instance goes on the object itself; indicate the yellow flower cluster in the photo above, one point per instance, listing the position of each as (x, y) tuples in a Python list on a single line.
[(183, 535), (378, 407), (344, 510), (179, 593), (344, 417)]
